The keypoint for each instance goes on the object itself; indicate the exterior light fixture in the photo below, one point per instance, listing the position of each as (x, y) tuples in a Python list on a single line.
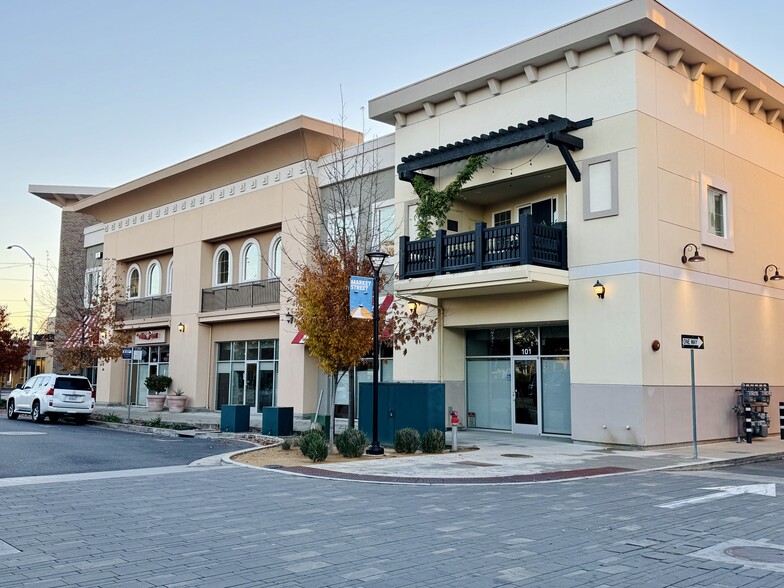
[(776, 276), (694, 258), (181, 328), (412, 307), (376, 260), (289, 318), (598, 289)]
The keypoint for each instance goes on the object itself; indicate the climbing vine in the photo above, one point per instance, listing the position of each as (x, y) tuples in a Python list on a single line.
[(435, 204)]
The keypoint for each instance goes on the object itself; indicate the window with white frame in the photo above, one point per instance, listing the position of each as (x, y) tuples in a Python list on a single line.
[(154, 278), (275, 257), (384, 224), (92, 286), (716, 213), (132, 282), (221, 267), (342, 225), (250, 261), (600, 186), (170, 277)]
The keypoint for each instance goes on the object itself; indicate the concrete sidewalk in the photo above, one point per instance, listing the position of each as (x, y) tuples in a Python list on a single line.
[(490, 457)]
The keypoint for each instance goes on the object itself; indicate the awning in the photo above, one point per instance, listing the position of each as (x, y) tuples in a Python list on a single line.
[(83, 334), (301, 337)]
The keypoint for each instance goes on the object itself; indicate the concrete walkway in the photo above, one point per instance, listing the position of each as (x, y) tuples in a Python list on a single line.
[(488, 457)]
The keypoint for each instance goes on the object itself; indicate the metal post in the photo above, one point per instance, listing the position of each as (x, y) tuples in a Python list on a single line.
[(129, 364), (375, 447), (693, 405), (30, 360), (749, 429)]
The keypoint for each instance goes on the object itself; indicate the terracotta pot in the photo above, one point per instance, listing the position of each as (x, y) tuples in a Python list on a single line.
[(155, 402), (177, 403)]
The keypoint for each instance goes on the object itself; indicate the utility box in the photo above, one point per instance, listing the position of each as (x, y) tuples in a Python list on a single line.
[(420, 406), (235, 418), (277, 421)]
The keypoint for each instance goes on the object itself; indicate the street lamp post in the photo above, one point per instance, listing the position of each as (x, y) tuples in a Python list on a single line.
[(32, 296), (376, 260)]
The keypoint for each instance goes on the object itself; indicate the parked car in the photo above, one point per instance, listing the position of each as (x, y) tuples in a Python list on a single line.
[(53, 395)]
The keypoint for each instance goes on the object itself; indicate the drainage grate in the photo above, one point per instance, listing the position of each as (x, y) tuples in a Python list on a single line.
[(756, 553), (515, 455)]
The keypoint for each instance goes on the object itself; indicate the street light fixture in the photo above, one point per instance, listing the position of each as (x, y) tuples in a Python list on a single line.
[(376, 260), (29, 371)]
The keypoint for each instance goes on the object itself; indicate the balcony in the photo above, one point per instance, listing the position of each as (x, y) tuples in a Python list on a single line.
[(245, 295), (144, 308), (519, 244)]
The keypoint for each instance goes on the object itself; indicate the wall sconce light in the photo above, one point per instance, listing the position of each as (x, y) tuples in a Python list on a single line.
[(412, 307), (181, 328), (289, 318), (598, 289), (777, 276), (694, 258)]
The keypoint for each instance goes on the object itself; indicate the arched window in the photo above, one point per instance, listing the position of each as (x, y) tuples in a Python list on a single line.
[(221, 273), (275, 257), (169, 276), (132, 284), (154, 278), (250, 261)]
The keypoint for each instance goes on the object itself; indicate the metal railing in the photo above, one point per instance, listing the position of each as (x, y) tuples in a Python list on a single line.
[(149, 307), (518, 244), (247, 294)]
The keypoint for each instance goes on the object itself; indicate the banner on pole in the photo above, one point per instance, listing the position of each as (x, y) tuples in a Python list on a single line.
[(361, 297)]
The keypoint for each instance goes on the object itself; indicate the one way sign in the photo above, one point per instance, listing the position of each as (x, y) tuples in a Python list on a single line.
[(692, 342)]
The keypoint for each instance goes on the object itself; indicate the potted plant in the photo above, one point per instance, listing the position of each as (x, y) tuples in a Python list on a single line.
[(177, 401), (157, 386)]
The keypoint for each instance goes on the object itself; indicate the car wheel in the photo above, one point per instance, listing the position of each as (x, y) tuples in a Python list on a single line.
[(11, 414), (54, 417), (36, 414), (81, 419)]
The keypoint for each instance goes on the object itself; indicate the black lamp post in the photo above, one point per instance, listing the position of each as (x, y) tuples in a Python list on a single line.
[(376, 260)]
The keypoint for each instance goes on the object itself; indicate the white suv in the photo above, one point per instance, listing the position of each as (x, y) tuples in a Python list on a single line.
[(53, 395)]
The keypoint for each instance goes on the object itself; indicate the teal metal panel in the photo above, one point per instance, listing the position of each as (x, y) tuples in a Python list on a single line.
[(420, 406)]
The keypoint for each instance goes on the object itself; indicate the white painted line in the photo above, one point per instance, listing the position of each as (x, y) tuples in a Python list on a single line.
[(22, 434), (32, 480), (724, 492)]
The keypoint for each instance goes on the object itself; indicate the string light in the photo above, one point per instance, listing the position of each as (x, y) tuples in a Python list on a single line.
[(529, 161)]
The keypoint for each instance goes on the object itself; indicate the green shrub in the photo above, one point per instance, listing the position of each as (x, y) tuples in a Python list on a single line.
[(313, 445), (112, 418), (156, 422), (286, 445), (433, 441), (157, 384), (407, 440), (351, 443)]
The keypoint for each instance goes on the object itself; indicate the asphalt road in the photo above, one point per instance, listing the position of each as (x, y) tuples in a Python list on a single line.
[(31, 449)]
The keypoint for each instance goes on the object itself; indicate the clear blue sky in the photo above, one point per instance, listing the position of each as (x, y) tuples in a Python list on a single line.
[(97, 92)]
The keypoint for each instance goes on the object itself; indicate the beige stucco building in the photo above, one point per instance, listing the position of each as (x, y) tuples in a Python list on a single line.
[(678, 149), (205, 251), (627, 154)]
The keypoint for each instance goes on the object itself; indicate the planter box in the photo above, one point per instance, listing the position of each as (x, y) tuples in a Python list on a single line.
[(177, 403), (277, 421), (235, 418), (155, 402)]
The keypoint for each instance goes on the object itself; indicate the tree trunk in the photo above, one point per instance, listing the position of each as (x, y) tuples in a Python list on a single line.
[(331, 410)]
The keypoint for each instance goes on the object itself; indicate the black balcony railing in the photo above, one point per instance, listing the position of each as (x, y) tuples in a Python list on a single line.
[(247, 294), (519, 244), (139, 308)]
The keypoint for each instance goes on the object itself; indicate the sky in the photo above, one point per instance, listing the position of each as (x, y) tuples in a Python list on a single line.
[(98, 93)]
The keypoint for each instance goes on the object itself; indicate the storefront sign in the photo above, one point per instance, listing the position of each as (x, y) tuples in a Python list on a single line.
[(126, 352), (149, 337)]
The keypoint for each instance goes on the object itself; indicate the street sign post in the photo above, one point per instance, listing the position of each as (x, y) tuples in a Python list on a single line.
[(692, 342)]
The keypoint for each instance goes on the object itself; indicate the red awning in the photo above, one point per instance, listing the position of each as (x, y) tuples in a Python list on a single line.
[(86, 334), (301, 337)]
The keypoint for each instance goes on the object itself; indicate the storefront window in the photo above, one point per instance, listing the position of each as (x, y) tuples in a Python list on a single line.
[(487, 342), (154, 361), (247, 373), (555, 340), (524, 342)]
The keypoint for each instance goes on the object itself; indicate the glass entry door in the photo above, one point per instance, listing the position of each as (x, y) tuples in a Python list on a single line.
[(525, 397)]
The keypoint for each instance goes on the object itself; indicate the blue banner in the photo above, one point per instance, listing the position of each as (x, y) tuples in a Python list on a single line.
[(361, 297)]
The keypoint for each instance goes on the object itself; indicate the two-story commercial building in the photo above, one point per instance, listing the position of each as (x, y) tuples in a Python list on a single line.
[(634, 170)]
